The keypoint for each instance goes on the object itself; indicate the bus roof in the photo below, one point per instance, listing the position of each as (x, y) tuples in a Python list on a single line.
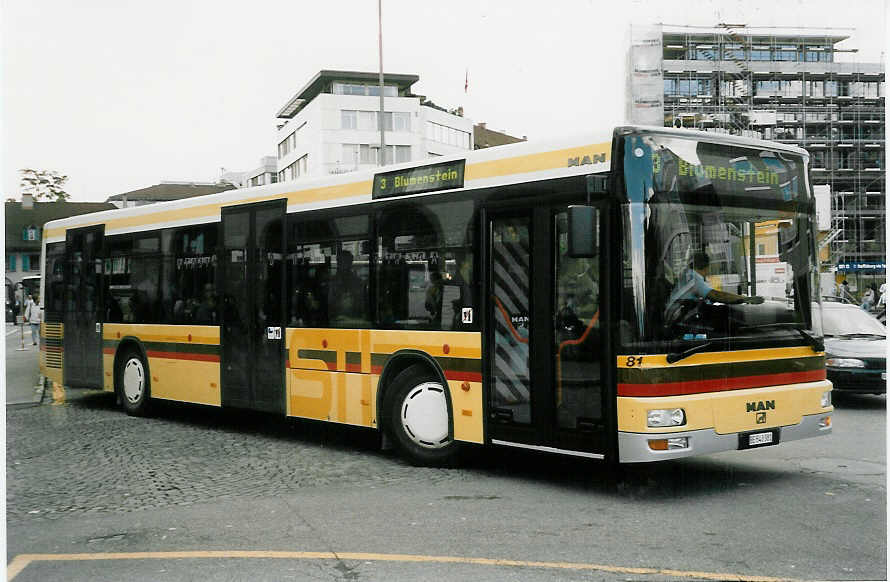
[(503, 165)]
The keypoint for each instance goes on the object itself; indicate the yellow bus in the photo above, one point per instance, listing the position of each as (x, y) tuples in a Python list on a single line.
[(591, 296)]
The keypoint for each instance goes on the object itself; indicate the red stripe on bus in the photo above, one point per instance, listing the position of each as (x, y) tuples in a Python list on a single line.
[(184, 356), (463, 376), (719, 384), (357, 368)]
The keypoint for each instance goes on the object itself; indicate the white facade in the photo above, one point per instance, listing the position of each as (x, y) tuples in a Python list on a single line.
[(336, 133), (265, 173)]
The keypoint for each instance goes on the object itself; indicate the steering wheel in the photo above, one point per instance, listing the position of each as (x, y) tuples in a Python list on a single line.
[(568, 323), (681, 311)]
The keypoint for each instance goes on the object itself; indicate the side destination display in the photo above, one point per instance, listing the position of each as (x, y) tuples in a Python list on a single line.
[(430, 178)]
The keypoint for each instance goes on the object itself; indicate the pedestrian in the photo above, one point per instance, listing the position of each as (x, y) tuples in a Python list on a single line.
[(845, 291), (868, 299), (33, 317)]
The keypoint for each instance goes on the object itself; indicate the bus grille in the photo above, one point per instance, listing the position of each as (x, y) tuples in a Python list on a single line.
[(51, 346)]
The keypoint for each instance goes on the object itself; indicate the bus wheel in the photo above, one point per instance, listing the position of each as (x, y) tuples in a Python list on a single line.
[(133, 384), (418, 417)]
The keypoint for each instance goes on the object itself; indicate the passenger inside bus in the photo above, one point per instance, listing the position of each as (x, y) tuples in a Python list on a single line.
[(347, 293)]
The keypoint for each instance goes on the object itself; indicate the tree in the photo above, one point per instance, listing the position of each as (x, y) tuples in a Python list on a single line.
[(44, 184)]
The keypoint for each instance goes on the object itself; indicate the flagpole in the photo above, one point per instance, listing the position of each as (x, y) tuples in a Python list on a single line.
[(382, 116)]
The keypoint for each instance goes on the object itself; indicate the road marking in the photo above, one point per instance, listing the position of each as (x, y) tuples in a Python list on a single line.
[(22, 561)]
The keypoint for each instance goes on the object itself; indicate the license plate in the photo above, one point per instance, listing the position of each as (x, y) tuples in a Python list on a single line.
[(760, 438)]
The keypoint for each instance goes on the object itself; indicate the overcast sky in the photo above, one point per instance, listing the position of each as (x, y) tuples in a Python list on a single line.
[(122, 94)]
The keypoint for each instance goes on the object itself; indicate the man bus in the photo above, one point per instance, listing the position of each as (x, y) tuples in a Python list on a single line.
[(554, 264)]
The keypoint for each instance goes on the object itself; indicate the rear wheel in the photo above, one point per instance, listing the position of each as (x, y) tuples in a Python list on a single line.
[(418, 417), (132, 383)]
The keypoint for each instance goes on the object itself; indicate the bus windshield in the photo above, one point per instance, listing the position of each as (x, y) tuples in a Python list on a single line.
[(718, 246)]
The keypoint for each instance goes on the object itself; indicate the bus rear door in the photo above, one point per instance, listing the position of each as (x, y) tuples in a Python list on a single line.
[(252, 333), (83, 296)]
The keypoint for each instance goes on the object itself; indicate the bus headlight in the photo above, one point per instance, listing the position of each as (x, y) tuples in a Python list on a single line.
[(666, 417), (826, 399), (845, 363)]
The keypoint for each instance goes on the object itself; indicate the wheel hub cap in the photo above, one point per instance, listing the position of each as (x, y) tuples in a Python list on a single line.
[(134, 380), (424, 415)]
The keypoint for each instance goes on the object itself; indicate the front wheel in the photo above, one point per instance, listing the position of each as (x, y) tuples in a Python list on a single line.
[(418, 417), (133, 383)]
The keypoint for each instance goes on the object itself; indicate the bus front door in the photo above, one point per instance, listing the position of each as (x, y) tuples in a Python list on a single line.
[(543, 339), (83, 330), (252, 333)]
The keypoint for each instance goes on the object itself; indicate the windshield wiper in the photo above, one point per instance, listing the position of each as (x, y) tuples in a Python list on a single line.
[(677, 356), (814, 342), (864, 334)]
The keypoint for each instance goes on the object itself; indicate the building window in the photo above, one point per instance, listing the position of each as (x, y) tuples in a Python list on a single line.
[(361, 89), (760, 53), (30, 233), (10, 263), (704, 53), (348, 119), (733, 52), (687, 87), (355, 154), (786, 53), (295, 170), (401, 121), (818, 54), (447, 135), (367, 120)]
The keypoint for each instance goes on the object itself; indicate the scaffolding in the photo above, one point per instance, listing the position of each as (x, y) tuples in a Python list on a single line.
[(786, 85)]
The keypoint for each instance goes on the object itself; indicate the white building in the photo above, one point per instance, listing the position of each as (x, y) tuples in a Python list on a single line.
[(330, 126), (265, 173)]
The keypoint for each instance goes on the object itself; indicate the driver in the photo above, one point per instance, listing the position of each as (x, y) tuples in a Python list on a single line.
[(692, 285)]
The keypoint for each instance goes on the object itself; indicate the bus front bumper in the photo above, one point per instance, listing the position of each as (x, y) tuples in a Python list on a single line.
[(637, 448)]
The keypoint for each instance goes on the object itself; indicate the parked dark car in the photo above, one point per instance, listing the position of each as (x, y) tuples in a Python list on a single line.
[(855, 349)]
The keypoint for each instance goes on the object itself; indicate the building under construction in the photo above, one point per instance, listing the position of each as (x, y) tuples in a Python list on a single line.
[(796, 86)]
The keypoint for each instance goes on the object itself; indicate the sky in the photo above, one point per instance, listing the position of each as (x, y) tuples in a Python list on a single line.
[(120, 95)]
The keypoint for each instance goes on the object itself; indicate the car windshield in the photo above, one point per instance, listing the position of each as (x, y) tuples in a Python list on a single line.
[(850, 321), (718, 246)]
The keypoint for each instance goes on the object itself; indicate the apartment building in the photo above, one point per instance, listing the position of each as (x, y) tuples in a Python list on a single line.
[(797, 86), (331, 126)]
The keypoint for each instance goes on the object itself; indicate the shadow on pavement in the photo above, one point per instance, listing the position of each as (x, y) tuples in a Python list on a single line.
[(683, 478), (858, 401)]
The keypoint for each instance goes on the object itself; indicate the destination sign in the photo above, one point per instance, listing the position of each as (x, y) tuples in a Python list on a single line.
[(729, 172), (442, 176)]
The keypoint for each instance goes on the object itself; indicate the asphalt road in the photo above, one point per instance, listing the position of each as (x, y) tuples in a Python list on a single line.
[(196, 493)]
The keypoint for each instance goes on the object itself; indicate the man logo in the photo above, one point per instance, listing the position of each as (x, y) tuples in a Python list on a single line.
[(760, 405), (761, 418), (586, 160)]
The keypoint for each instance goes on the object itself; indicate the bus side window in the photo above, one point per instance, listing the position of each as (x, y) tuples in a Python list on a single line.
[(425, 267)]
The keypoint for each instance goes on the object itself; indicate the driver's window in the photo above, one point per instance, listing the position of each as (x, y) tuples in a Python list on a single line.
[(577, 279), (577, 341)]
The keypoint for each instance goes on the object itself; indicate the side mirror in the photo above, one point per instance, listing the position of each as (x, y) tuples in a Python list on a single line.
[(582, 232)]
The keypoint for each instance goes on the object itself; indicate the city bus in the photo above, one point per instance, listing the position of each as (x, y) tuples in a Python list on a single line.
[(528, 295)]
